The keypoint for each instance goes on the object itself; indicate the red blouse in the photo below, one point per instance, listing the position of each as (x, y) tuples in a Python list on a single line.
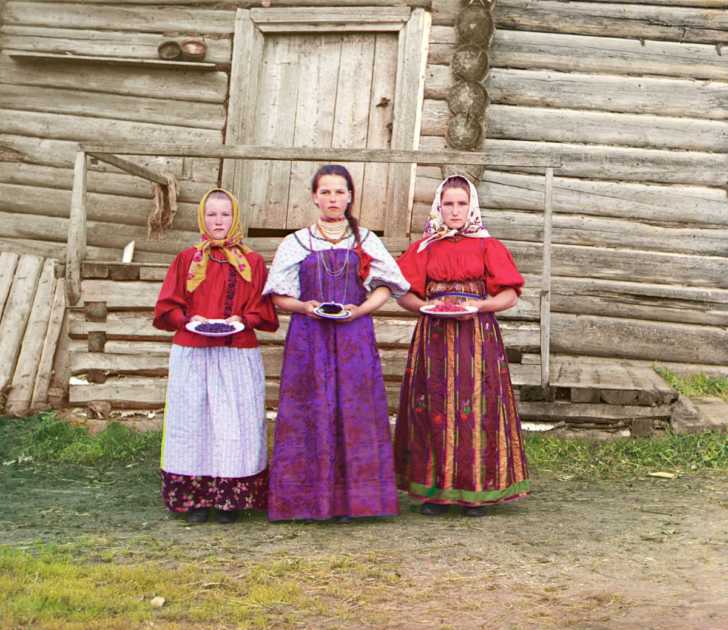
[(223, 293), (461, 258)]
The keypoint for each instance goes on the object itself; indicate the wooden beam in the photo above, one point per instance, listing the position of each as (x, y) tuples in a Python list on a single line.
[(517, 157), (546, 280), (131, 168), (24, 55), (76, 249)]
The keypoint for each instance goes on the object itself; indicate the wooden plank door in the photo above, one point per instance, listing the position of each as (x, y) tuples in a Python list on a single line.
[(323, 79)]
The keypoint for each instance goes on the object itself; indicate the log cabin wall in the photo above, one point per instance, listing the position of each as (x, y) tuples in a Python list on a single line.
[(634, 98), (48, 105)]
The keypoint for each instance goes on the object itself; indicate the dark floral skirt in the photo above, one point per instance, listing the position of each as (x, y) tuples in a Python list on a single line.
[(182, 493)]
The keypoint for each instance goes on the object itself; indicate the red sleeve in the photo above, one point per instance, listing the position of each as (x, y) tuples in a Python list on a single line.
[(500, 269), (258, 310), (170, 311), (414, 269)]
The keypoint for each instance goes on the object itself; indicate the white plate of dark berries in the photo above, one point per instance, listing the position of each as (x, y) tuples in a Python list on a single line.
[(215, 328), (332, 310)]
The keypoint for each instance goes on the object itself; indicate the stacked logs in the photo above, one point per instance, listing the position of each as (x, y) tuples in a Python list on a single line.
[(468, 99)]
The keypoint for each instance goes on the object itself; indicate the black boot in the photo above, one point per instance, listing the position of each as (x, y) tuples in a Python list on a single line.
[(225, 517), (434, 509), (197, 516), (480, 510)]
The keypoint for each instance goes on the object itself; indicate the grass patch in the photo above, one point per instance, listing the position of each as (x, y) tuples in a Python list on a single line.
[(627, 456), (46, 439), (696, 384), (52, 589)]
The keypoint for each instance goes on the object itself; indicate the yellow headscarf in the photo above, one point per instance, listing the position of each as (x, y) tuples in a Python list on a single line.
[(232, 246)]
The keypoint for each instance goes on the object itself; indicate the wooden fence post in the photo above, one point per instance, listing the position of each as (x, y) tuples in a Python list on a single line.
[(76, 248), (546, 281)]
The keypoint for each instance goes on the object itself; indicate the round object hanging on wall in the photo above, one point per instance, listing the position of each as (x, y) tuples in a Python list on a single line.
[(194, 49), (464, 132), (474, 25), (169, 50), (468, 98), (470, 62)]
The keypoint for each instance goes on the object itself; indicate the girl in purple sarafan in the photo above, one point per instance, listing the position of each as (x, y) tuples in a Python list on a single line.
[(214, 450), (332, 455)]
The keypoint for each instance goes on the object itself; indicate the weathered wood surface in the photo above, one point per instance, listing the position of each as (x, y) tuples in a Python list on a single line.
[(39, 398), (635, 95), (77, 229), (637, 21), (8, 262), (129, 18), (209, 87), (592, 413), (693, 205), (248, 4), (99, 42), (567, 125), (505, 156), (31, 349), (83, 104), (609, 163), (531, 50), (16, 313)]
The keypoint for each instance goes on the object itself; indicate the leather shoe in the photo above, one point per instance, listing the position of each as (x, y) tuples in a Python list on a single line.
[(434, 509), (197, 516), (225, 517)]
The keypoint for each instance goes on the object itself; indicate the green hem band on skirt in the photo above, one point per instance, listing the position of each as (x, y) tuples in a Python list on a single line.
[(466, 497)]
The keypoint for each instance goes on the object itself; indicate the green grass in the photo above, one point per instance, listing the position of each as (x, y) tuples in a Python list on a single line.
[(45, 438), (628, 456), (696, 384)]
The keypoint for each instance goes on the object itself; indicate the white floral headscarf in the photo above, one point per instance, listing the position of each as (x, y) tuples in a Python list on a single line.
[(435, 228)]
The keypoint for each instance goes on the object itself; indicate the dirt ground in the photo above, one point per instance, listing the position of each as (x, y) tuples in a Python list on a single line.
[(641, 553)]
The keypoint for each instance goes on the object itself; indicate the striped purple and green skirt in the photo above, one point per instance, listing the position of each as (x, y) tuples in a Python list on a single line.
[(458, 436)]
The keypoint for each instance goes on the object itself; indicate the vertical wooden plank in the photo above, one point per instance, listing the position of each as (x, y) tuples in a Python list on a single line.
[(21, 391), (546, 280), (76, 248), (319, 57), (39, 399), (381, 106), (275, 120), (409, 93), (16, 314), (244, 77), (353, 95), (8, 262)]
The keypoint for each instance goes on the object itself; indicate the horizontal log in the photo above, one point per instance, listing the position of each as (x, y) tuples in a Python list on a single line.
[(84, 128), (624, 264), (576, 229), (639, 21), (531, 50), (209, 87), (595, 413), (588, 127), (603, 232), (96, 105), (247, 4), (571, 90), (638, 339), (318, 154), (669, 205), (614, 163), (107, 43), (110, 183), (129, 18)]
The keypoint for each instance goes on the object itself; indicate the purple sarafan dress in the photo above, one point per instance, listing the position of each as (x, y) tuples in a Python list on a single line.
[(332, 452)]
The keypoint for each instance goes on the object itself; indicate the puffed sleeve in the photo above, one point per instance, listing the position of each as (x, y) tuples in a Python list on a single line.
[(500, 269), (383, 270), (283, 276), (258, 310), (170, 311), (413, 266)]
